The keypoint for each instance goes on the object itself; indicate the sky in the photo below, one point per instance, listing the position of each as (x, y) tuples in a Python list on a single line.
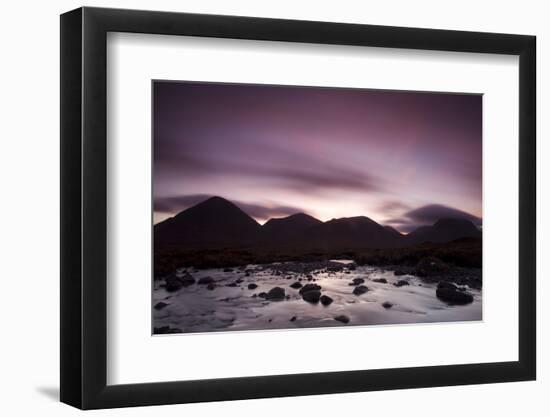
[(403, 159)]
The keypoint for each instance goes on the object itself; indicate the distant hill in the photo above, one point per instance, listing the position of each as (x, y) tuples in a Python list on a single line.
[(291, 228), (444, 230), (352, 232), (217, 223)]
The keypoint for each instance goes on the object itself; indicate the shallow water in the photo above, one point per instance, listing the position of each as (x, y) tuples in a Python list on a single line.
[(197, 309)]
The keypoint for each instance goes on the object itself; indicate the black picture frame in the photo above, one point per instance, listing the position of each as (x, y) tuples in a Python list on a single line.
[(84, 207)]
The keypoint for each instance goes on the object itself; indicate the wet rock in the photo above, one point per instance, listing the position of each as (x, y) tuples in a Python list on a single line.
[(399, 272), (453, 296), (310, 287), (296, 285), (326, 300), (211, 286), (228, 270), (380, 280), (343, 319), (351, 267), (276, 294), (252, 286), (238, 281), (206, 280), (172, 283), (446, 284), (311, 296), (401, 283), (430, 266), (293, 318), (160, 305), (357, 281), (387, 305), (232, 284), (262, 295), (359, 290)]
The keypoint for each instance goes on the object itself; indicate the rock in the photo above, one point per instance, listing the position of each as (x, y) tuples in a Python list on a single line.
[(228, 270), (310, 287), (211, 286), (361, 289), (173, 283), (160, 305), (326, 300), (357, 281), (446, 284), (276, 294), (238, 281), (206, 280), (342, 319), (453, 296), (262, 295), (293, 318), (296, 285), (311, 296), (233, 284), (351, 267), (430, 266), (387, 304), (399, 272), (380, 280), (252, 286), (401, 283)]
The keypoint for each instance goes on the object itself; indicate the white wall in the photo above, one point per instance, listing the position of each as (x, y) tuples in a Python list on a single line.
[(29, 177)]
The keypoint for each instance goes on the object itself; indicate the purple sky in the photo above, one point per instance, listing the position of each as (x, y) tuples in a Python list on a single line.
[(400, 158)]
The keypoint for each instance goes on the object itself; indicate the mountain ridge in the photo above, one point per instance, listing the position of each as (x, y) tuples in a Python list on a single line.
[(219, 223)]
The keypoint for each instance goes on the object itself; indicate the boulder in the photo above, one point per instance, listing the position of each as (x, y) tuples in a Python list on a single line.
[(399, 272), (172, 283), (387, 304), (359, 290), (252, 286), (228, 270), (211, 286), (357, 281), (160, 305), (206, 280), (342, 318), (311, 296), (262, 295), (326, 300), (453, 296), (401, 283), (276, 294), (293, 318), (446, 284), (380, 280), (232, 284), (296, 285), (310, 287)]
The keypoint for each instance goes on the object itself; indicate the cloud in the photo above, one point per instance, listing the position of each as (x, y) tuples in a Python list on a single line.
[(394, 206), (428, 215), (175, 204)]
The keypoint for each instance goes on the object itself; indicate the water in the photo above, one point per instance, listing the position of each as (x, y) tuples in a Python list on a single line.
[(197, 309)]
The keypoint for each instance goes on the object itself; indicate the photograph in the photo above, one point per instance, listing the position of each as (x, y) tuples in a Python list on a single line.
[(294, 207)]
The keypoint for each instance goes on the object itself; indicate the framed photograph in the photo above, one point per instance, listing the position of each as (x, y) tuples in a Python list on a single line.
[(258, 208)]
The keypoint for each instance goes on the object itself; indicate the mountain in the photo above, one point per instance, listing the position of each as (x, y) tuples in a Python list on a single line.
[(444, 230), (217, 223), (291, 228), (213, 223), (352, 232)]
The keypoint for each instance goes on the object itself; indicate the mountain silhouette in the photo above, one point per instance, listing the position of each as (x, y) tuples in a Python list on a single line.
[(352, 232), (214, 222), (444, 230), (217, 223), (291, 228)]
